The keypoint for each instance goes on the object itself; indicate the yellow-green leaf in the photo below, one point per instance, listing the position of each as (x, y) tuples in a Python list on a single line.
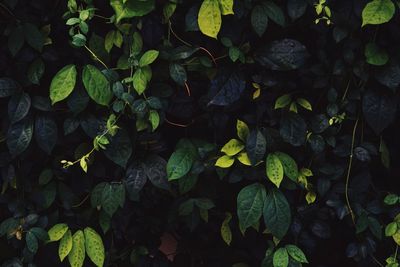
[(65, 245), (396, 237), (226, 7), (94, 246), (63, 83), (283, 101), (378, 12), (242, 130), (226, 232), (209, 18), (310, 197), (233, 147), (57, 231), (244, 159), (274, 169), (225, 161), (77, 254), (304, 103)]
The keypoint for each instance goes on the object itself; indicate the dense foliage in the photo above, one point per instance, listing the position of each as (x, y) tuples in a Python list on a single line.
[(199, 133)]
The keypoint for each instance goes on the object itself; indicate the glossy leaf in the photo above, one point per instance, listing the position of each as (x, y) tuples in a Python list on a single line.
[(250, 203), (63, 83), (209, 18), (276, 213), (96, 85)]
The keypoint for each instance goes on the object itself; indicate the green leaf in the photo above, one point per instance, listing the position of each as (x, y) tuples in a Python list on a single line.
[(242, 130), (289, 165), (18, 107), (57, 231), (375, 56), (148, 58), (33, 36), (226, 232), (250, 203), (94, 246), (281, 258), (296, 253), (377, 12), (139, 81), (233, 147), (178, 73), (391, 229), (256, 146), (304, 103), (154, 119), (111, 198), (16, 40), (391, 199), (19, 136), (274, 12), (65, 246), (36, 71), (209, 18), (283, 101), (31, 242), (8, 87), (77, 255), (46, 132), (120, 148), (276, 213), (8, 226), (63, 83), (40, 233), (274, 169), (132, 8), (179, 164), (225, 161), (226, 7), (259, 19), (96, 85)]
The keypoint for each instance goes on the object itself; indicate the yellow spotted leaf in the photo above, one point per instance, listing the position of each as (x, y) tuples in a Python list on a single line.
[(94, 246), (77, 254), (65, 245), (209, 18), (225, 161), (244, 159), (226, 7), (274, 169), (233, 147), (242, 130), (57, 231)]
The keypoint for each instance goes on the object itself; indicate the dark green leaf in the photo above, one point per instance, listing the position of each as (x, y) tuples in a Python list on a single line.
[(276, 212), (19, 136), (250, 203), (18, 107), (46, 132)]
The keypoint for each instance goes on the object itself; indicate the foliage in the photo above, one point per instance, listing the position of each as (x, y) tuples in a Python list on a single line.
[(199, 133)]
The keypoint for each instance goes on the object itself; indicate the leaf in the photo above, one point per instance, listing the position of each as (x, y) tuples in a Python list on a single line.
[(233, 147), (155, 170), (96, 85), (242, 130), (18, 107), (250, 203), (296, 8), (274, 12), (377, 12), (132, 8), (8, 226), (33, 36), (139, 81), (283, 101), (244, 159), (19, 136), (375, 56), (293, 129), (226, 88), (46, 132), (31, 242), (120, 148), (57, 231), (94, 247), (259, 19), (135, 178), (178, 73), (16, 40), (110, 198), (226, 232), (226, 7), (289, 166), (391, 229), (187, 182), (224, 161), (77, 255), (148, 58), (256, 146), (296, 253), (179, 164), (274, 169), (282, 55), (63, 83), (65, 246), (304, 103), (8, 87), (281, 258), (209, 18), (154, 119), (379, 110), (276, 212), (36, 71)]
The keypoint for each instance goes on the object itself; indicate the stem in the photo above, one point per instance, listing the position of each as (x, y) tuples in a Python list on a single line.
[(376, 261), (95, 56), (178, 124), (347, 89), (80, 203), (349, 171)]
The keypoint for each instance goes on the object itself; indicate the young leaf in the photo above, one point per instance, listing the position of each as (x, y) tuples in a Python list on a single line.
[(281, 258), (209, 18), (226, 7), (391, 229), (276, 213), (274, 169), (63, 83), (65, 245), (225, 161), (77, 253), (148, 58), (296, 253), (283, 101), (304, 103), (94, 246), (250, 203), (233, 147), (96, 85), (242, 130), (378, 12), (244, 158), (57, 231), (289, 165)]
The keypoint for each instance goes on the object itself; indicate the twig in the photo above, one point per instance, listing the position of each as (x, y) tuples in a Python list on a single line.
[(96, 57)]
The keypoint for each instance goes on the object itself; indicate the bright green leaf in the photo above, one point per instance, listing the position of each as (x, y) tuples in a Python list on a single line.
[(242, 130), (76, 256), (289, 166), (57, 231), (225, 161), (94, 246), (281, 258), (148, 58), (296, 253), (209, 18), (65, 245), (274, 169), (233, 147), (63, 83), (96, 85), (378, 12)]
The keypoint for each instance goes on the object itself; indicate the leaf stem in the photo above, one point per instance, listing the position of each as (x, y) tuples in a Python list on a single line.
[(96, 57)]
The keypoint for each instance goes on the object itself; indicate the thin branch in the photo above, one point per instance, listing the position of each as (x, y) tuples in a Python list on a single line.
[(96, 57)]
